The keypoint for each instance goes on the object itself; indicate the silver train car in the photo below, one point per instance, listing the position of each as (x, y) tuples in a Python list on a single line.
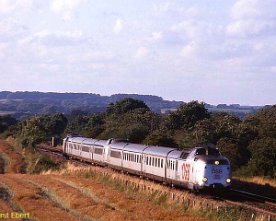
[(197, 168)]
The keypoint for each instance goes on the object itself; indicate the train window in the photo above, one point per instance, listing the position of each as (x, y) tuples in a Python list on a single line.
[(115, 154), (85, 148), (162, 163), (98, 151), (200, 152), (184, 155), (207, 151), (213, 152)]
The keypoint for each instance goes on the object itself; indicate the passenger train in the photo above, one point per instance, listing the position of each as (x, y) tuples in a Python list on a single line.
[(196, 168)]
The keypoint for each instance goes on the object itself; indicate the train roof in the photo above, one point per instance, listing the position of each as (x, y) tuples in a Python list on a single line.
[(119, 145), (76, 139), (137, 148), (89, 141), (100, 142), (175, 154), (158, 151)]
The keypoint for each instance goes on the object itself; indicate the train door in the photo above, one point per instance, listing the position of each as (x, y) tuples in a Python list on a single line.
[(145, 163), (171, 169)]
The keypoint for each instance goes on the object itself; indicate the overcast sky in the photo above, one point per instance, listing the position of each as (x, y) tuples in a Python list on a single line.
[(214, 51)]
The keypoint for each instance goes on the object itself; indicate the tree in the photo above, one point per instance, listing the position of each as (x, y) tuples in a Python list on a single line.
[(187, 115), (229, 148), (6, 122), (126, 105), (41, 128), (157, 138), (263, 160)]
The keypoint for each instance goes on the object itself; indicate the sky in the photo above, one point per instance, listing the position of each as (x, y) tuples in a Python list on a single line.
[(213, 51)]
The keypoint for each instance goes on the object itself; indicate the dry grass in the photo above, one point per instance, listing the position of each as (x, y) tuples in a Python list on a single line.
[(29, 197), (51, 195), (13, 159), (259, 180)]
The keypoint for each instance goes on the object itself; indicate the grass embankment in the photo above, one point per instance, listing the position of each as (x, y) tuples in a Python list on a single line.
[(158, 195), (24, 160)]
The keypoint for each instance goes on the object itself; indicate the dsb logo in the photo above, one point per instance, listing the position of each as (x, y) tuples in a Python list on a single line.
[(217, 171)]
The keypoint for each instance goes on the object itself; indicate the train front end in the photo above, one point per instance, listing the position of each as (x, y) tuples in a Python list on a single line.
[(211, 169)]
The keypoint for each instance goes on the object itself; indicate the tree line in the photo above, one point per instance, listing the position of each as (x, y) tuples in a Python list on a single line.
[(250, 144)]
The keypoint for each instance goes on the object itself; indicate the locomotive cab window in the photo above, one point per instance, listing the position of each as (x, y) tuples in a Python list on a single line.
[(207, 151)]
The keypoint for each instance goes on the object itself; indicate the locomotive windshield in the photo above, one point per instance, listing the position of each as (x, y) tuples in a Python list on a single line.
[(207, 151)]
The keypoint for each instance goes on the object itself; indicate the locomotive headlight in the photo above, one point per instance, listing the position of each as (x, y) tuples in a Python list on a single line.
[(217, 162), (205, 179), (228, 180)]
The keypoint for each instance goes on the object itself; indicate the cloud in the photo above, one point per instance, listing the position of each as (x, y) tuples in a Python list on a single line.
[(118, 26), (8, 6), (11, 30), (57, 39), (141, 53), (252, 18), (156, 36), (65, 8), (189, 51)]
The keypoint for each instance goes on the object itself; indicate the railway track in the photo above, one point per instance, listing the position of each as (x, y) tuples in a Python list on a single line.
[(253, 202)]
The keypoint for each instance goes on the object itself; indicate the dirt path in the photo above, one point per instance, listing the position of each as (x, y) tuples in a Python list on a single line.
[(11, 161)]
